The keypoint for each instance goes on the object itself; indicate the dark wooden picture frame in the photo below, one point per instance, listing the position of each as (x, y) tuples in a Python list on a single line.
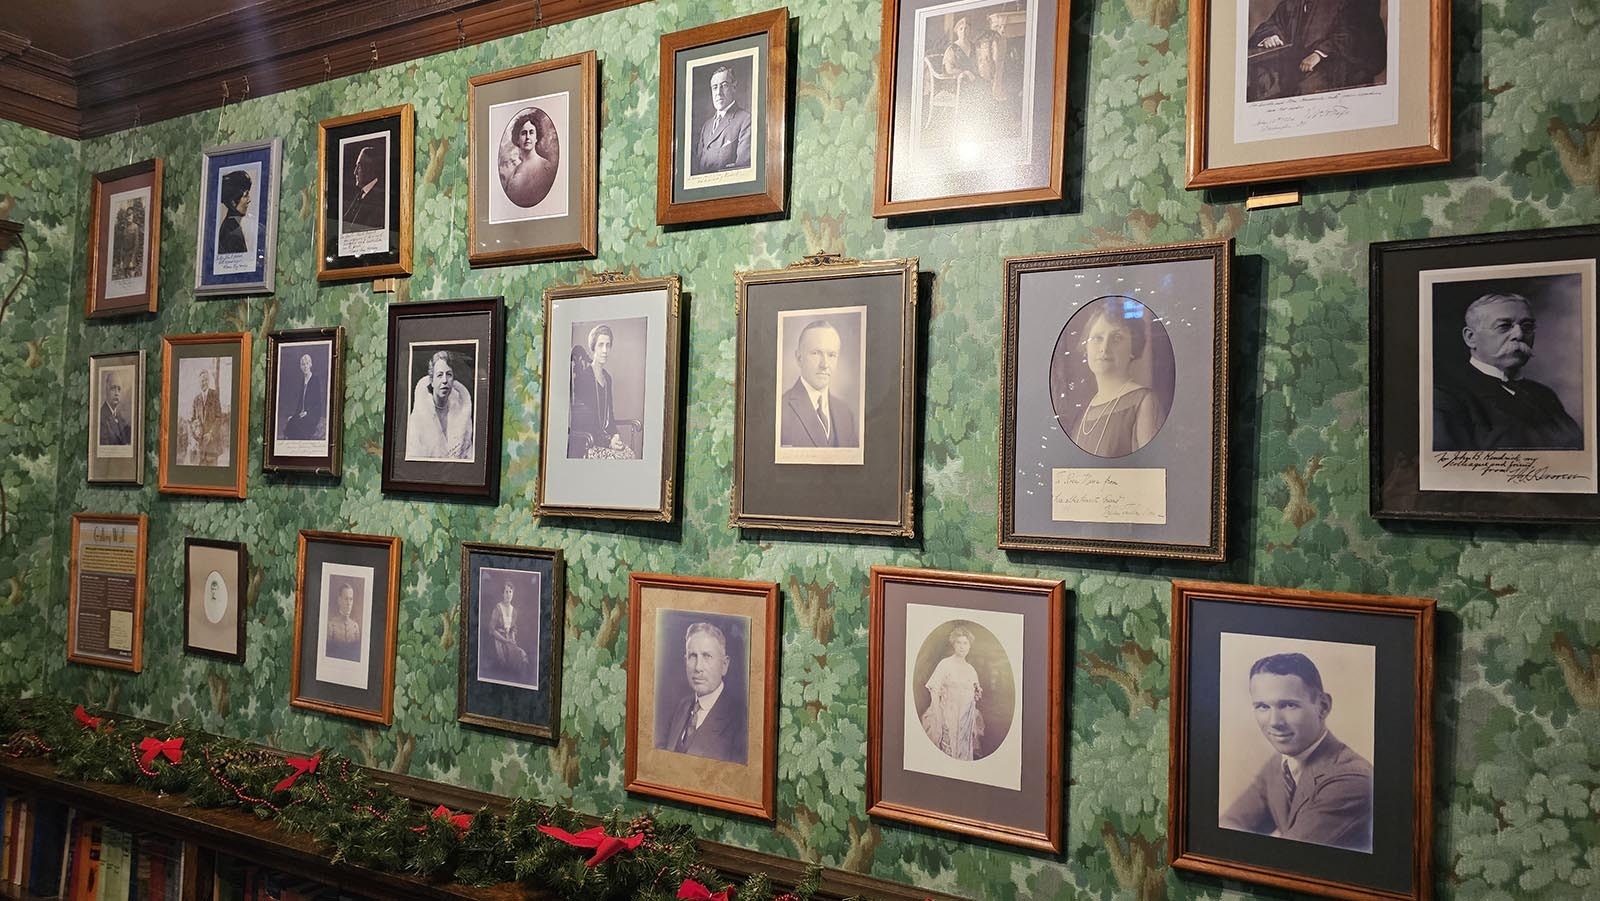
[(176, 476), (917, 93), (1357, 821), (124, 467), (364, 140), (109, 536), (1009, 791), (1303, 139), (124, 217), (666, 755), (782, 453), (197, 604), (379, 581), (762, 40), (503, 229), (1462, 435), (502, 702), (471, 333), (225, 172), (579, 473), (1058, 490), (276, 459)]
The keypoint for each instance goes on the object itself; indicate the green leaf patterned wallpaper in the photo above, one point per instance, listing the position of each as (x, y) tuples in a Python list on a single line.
[(1518, 779)]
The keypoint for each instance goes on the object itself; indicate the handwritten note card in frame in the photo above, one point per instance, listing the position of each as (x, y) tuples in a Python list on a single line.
[(1473, 418), (1114, 383)]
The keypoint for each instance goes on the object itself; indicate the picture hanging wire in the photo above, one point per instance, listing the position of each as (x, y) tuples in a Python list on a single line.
[(136, 120), (461, 34)]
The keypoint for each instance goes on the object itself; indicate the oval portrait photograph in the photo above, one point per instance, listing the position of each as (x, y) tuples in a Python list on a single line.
[(965, 690), (1112, 376), (530, 154), (216, 600)]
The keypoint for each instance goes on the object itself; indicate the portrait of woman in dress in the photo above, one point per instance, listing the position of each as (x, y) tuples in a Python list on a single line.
[(952, 720), (1113, 409)]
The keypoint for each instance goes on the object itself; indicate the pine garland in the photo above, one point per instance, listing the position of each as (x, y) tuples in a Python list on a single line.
[(366, 824)]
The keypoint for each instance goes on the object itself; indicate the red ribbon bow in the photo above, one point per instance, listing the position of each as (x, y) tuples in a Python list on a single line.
[(605, 846), (694, 891), (154, 747), (462, 821), (83, 717), (302, 766)]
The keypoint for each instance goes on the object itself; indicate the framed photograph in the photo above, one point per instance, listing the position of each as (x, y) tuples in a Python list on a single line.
[(1282, 90), (441, 421), (1286, 769), (532, 155), (364, 169), (703, 692), (216, 575), (966, 686), (513, 606), (236, 245), (124, 240), (825, 411), (305, 401), (347, 601), (1113, 398), (972, 109), (724, 118), (205, 412), (1473, 418), (105, 599), (116, 418), (611, 353)]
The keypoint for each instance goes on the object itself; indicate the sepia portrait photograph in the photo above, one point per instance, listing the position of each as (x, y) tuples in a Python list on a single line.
[(605, 414), (821, 364), (236, 242), (347, 604), (304, 389), (124, 240), (508, 627), (963, 684), (720, 117), (205, 406), (442, 421), (529, 180), (364, 178), (126, 266), (1295, 739), (702, 691), (345, 611), (215, 576), (116, 418), (205, 392), (1112, 375)]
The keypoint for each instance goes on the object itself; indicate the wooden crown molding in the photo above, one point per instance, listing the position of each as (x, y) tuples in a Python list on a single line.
[(258, 51)]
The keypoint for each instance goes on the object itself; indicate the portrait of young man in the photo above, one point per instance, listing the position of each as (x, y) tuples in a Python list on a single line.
[(702, 712), (821, 364)]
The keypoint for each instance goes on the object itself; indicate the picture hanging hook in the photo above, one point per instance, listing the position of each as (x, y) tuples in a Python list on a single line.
[(374, 63), (327, 68), (223, 108), (538, 12), (136, 120), (246, 95)]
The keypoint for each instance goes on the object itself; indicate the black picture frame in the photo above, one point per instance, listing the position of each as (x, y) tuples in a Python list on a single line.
[(444, 456), (299, 437), (489, 694), (1451, 440), (215, 571)]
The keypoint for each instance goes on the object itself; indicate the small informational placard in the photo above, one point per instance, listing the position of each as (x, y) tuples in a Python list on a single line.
[(106, 592), (1109, 495)]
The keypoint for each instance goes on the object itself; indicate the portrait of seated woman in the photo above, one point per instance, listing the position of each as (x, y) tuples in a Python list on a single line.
[(1111, 377)]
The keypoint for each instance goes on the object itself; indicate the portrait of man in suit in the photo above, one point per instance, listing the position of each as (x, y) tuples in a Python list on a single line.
[(365, 197), (114, 428), (709, 720), (821, 384), (1313, 787), (1311, 46), (722, 142), (302, 410)]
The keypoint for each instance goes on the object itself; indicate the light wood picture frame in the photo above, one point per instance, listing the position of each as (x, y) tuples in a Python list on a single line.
[(106, 590), (346, 616), (204, 447), (365, 164), (124, 240)]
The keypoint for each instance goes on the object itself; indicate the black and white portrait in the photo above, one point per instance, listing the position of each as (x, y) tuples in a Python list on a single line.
[(442, 419), (702, 680), (344, 608), (607, 378), (720, 118), (965, 693), (364, 182), (204, 416), (1111, 376), (303, 393), (527, 138), (973, 81), (1300, 47), (113, 418), (508, 627), (1296, 738), (821, 388), (126, 269), (238, 229)]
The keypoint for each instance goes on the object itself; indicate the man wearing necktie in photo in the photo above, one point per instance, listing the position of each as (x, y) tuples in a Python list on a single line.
[(709, 724), (812, 415), (725, 138)]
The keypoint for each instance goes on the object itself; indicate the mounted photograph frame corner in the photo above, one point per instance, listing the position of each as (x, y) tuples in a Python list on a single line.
[(1301, 740), (124, 240), (236, 242), (821, 344), (1280, 92), (1114, 389), (611, 393), (205, 414), (723, 120), (972, 104), (532, 160), (346, 613), (365, 164)]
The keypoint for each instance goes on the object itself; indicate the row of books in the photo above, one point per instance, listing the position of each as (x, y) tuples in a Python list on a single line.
[(237, 880), (52, 850)]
